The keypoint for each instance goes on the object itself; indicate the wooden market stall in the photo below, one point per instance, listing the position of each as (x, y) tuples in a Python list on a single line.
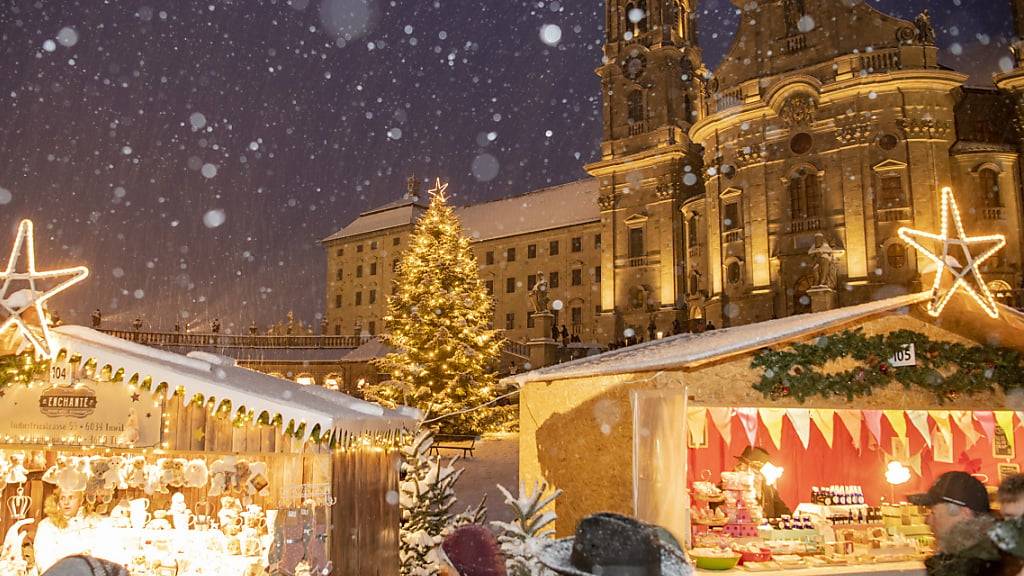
[(640, 430), (192, 465)]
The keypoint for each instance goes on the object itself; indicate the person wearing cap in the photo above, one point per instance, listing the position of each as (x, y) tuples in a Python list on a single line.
[(960, 517), (753, 459)]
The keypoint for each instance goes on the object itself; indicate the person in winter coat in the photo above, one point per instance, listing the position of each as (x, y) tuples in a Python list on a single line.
[(960, 517)]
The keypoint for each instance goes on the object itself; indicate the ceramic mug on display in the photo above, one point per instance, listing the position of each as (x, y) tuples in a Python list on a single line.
[(139, 518), (183, 520)]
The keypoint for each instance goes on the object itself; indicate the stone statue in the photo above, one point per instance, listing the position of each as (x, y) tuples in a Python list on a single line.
[(824, 262), (925, 31), (539, 295)]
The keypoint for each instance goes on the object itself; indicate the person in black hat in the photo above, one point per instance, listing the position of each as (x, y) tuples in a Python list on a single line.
[(960, 517), (754, 458), (615, 545)]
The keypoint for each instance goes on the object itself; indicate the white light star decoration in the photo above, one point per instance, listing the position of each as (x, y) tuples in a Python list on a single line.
[(943, 259), (13, 305)]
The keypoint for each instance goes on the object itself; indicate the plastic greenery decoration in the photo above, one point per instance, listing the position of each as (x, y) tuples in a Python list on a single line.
[(21, 369), (946, 369)]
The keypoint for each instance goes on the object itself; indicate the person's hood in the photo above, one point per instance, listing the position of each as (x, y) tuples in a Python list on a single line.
[(970, 538)]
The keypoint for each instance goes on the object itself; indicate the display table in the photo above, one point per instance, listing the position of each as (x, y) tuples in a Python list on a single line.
[(882, 569), (193, 552)]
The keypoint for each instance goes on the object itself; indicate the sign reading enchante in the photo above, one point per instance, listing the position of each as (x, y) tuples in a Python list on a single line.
[(87, 413)]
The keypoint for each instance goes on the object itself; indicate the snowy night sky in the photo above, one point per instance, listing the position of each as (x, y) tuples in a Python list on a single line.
[(192, 154)]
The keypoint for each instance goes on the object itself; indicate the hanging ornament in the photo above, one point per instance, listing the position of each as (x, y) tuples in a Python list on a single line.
[(948, 257)]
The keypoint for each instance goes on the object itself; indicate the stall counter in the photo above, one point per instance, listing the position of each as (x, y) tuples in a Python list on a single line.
[(909, 568)]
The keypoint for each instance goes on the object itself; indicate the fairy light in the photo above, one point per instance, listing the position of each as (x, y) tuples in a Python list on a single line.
[(939, 300)]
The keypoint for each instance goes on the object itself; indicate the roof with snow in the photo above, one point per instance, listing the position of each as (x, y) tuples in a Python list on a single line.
[(687, 350), (403, 212), (218, 377), (545, 209), (371, 350)]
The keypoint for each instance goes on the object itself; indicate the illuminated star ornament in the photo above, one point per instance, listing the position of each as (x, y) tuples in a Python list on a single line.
[(13, 305), (961, 245), (438, 190)]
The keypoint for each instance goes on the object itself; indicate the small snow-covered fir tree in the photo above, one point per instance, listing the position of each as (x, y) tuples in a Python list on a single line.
[(439, 321), (426, 496), (522, 538)]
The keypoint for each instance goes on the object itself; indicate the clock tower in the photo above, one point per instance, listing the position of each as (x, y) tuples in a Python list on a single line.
[(651, 79)]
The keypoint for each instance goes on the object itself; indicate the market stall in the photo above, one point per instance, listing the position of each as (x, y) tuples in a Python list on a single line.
[(191, 465), (828, 419)]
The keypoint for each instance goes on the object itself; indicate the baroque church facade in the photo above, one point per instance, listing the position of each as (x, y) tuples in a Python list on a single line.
[(773, 186)]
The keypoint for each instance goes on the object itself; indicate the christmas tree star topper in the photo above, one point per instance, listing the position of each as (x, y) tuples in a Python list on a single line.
[(439, 189), (944, 259), (12, 306)]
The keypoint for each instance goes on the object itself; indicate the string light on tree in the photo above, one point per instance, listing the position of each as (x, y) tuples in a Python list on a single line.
[(439, 322), (943, 259), (13, 305)]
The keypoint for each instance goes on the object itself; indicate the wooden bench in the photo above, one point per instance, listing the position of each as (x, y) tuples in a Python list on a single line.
[(463, 442)]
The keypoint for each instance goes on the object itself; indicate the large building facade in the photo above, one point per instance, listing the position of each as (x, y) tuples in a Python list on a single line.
[(828, 124)]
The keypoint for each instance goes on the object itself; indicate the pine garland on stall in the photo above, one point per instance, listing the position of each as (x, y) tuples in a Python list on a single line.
[(21, 369), (521, 539), (426, 498), (439, 321)]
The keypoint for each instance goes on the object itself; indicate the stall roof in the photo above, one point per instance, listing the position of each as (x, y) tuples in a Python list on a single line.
[(218, 376), (685, 350), (370, 350)]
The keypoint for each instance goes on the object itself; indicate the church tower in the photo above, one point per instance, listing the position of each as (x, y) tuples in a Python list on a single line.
[(651, 83)]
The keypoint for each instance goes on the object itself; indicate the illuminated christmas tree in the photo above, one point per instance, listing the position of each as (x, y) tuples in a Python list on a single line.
[(439, 322)]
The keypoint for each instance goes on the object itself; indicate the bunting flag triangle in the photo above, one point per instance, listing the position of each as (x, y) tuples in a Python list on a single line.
[(1004, 418), (1020, 419), (914, 463), (942, 425), (722, 419), (964, 420), (851, 419), (873, 420), (898, 421), (942, 437), (697, 424), (772, 418), (801, 420), (824, 419), (919, 418), (988, 423), (748, 418)]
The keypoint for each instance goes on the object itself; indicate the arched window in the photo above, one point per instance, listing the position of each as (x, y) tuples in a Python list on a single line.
[(694, 283), (896, 256), (635, 105), (988, 180), (733, 273), (642, 24), (805, 200), (691, 231), (628, 17)]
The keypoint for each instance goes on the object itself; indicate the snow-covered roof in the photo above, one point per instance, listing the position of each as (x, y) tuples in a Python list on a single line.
[(684, 350), (370, 350), (546, 209), (399, 213), (219, 377)]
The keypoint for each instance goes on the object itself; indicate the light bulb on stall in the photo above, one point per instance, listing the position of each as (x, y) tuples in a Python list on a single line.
[(771, 473), (896, 473)]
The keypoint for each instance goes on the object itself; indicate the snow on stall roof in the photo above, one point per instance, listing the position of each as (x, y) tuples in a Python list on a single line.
[(218, 376), (370, 350), (545, 209), (688, 349)]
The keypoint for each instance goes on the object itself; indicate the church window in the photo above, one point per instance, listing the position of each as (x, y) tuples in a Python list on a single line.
[(489, 284), (636, 243), (553, 280), (373, 296), (531, 251), (577, 244), (510, 285), (733, 273), (577, 277), (989, 184), (641, 16), (359, 271), (691, 231), (337, 300), (731, 217), (373, 268), (510, 255), (510, 321), (801, 143), (489, 257), (892, 195), (805, 195), (896, 256), (694, 283), (635, 106), (553, 248)]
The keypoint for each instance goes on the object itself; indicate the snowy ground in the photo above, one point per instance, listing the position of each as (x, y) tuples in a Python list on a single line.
[(495, 461)]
